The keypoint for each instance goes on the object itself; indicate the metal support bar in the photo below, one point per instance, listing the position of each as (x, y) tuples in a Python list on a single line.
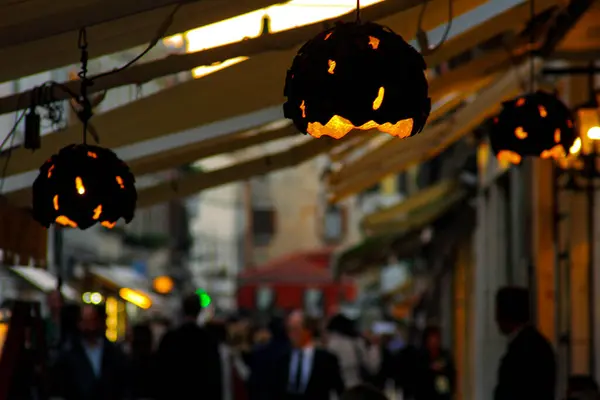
[(571, 71)]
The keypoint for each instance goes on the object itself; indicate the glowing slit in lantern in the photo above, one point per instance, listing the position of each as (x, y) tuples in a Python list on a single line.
[(331, 69), (557, 136), (520, 133), (509, 156), (569, 123), (328, 35), (97, 212), (520, 102), (555, 152), (338, 127), (108, 224), (373, 42), (379, 99), (120, 182), (92, 154), (576, 146), (50, 171), (79, 185), (55, 202), (543, 112), (65, 221), (303, 108)]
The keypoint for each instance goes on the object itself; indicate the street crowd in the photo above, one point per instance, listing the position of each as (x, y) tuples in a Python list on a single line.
[(292, 356)]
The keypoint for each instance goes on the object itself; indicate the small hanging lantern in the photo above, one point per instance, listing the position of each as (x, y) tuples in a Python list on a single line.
[(538, 125), (357, 76), (83, 185)]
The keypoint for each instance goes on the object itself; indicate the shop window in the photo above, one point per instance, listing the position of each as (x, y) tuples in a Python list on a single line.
[(334, 224), (265, 298), (263, 226), (314, 302)]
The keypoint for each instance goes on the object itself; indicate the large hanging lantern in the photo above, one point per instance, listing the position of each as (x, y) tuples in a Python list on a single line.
[(357, 76), (538, 125), (83, 185)]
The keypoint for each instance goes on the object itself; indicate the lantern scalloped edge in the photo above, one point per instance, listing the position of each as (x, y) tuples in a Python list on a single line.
[(83, 185), (357, 76), (537, 124)]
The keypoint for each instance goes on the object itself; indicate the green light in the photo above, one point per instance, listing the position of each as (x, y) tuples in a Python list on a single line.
[(205, 299)]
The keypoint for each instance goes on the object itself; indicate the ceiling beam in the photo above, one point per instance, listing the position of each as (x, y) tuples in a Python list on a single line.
[(198, 181), (60, 50), (182, 155), (75, 18)]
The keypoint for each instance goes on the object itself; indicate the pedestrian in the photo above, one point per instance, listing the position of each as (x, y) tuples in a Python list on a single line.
[(528, 368)]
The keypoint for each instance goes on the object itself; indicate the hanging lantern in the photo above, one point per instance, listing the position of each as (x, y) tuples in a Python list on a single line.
[(538, 125), (83, 185), (357, 76)]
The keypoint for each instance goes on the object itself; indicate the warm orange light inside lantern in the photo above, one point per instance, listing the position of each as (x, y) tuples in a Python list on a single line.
[(557, 136), (373, 42), (508, 156), (50, 171), (120, 182), (576, 148), (55, 202), (163, 284), (65, 221), (520, 102), (97, 212), (331, 65), (520, 133), (328, 35), (338, 127), (557, 151), (543, 112), (379, 99), (79, 185), (92, 154), (108, 224)]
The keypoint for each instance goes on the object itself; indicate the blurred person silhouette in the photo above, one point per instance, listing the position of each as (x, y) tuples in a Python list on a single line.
[(358, 362), (188, 359), (528, 368), (582, 387), (307, 372), (435, 374), (263, 360), (234, 372), (363, 392), (403, 364), (142, 361), (91, 367)]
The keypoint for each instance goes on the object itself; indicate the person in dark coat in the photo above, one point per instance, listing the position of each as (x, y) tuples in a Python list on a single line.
[(263, 360), (91, 367), (363, 392), (528, 368), (435, 377), (307, 372), (188, 359), (143, 368)]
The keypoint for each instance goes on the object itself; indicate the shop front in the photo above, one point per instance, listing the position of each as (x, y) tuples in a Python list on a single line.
[(126, 295)]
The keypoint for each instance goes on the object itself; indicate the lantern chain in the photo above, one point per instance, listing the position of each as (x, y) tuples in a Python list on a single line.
[(85, 113), (358, 11), (531, 44)]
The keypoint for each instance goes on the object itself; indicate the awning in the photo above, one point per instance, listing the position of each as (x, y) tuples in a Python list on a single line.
[(45, 281), (245, 90), (126, 278), (310, 267), (401, 231), (41, 35)]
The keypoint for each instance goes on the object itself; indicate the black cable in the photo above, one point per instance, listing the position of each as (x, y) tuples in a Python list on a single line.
[(422, 35), (162, 31), (11, 135), (358, 11)]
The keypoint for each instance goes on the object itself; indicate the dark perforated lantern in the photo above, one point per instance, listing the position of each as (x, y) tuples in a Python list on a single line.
[(357, 76), (538, 125), (83, 185)]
